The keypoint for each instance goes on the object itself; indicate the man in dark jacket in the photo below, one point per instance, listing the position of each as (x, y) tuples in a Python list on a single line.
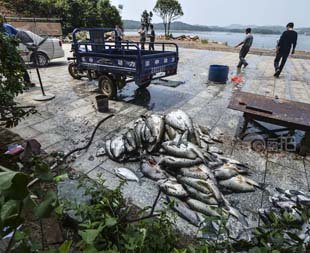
[(152, 38), (287, 40)]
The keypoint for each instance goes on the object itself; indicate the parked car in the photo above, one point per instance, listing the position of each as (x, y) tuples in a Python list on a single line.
[(49, 50)]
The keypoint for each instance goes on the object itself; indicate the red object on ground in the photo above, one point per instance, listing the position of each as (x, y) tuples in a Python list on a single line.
[(15, 150), (237, 79)]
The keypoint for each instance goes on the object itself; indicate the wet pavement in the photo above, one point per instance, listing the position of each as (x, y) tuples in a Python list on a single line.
[(67, 121)]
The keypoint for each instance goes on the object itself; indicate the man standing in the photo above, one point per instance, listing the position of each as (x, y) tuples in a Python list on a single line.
[(118, 36), (142, 37), (246, 45), (287, 40), (152, 38)]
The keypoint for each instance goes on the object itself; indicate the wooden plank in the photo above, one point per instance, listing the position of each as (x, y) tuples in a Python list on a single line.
[(279, 111)]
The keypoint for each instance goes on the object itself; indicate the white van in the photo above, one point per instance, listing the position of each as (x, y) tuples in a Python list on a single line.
[(49, 50)]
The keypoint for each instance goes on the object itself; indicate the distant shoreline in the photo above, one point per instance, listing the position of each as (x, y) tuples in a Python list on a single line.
[(214, 46), (181, 26)]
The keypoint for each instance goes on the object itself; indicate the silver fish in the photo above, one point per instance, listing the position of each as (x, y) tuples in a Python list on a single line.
[(172, 188), (126, 174), (215, 150), (198, 171), (205, 198), (170, 132), (239, 184), (130, 142), (205, 186), (152, 170), (237, 164), (303, 200), (185, 212), (179, 120), (173, 162), (226, 171), (138, 130), (181, 151), (108, 148), (203, 208), (157, 126), (118, 147)]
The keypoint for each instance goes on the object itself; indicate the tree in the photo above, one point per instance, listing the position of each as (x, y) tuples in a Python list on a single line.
[(74, 13), (146, 19), (11, 83), (168, 10)]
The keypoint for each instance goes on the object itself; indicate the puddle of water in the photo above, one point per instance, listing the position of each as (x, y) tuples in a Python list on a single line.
[(154, 98)]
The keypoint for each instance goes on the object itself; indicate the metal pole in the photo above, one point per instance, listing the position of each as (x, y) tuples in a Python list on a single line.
[(38, 73)]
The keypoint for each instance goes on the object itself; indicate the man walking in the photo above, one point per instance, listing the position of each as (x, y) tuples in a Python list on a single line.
[(287, 40), (246, 45), (152, 38)]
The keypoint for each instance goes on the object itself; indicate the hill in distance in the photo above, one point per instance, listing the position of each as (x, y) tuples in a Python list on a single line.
[(177, 26)]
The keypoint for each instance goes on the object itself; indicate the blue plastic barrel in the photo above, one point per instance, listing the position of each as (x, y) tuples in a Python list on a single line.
[(218, 73)]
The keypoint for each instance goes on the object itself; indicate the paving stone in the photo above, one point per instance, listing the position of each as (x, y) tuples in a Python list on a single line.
[(26, 132), (286, 178), (287, 159), (48, 139)]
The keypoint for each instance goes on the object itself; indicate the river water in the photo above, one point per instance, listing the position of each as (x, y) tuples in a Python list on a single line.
[(268, 41)]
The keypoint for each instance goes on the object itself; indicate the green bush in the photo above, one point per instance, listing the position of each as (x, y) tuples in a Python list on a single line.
[(12, 83)]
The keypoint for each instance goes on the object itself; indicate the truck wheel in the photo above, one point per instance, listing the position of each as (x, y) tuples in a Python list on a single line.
[(73, 71), (145, 84), (107, 86)]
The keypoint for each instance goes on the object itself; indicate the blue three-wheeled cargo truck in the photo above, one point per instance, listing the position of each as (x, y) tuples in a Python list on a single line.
[(115, 63)]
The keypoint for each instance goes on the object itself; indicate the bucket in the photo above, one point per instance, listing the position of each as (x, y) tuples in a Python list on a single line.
[(102, 103), (218, 73)]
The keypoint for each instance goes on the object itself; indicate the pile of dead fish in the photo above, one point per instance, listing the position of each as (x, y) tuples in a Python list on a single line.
[(291, 202), (177, 153)]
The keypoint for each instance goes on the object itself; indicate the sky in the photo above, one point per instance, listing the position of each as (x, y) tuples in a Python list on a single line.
[(227, 12)]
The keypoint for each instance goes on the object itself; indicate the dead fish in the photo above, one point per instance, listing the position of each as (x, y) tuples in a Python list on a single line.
[(126, 174), (303, 200), (130, 142), (173, 162), (237, 164), (203, 208), (172, 188), (305, 233), (118, 147), (198, 171), (108, 148), (205, 186), (226, 171), (138, 130), (215, 150), (239, 184), (157, 126), (205, 198), (170, 132), (185, 212), (152, 170), (183, 150), (284, 204), (179, 120)]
